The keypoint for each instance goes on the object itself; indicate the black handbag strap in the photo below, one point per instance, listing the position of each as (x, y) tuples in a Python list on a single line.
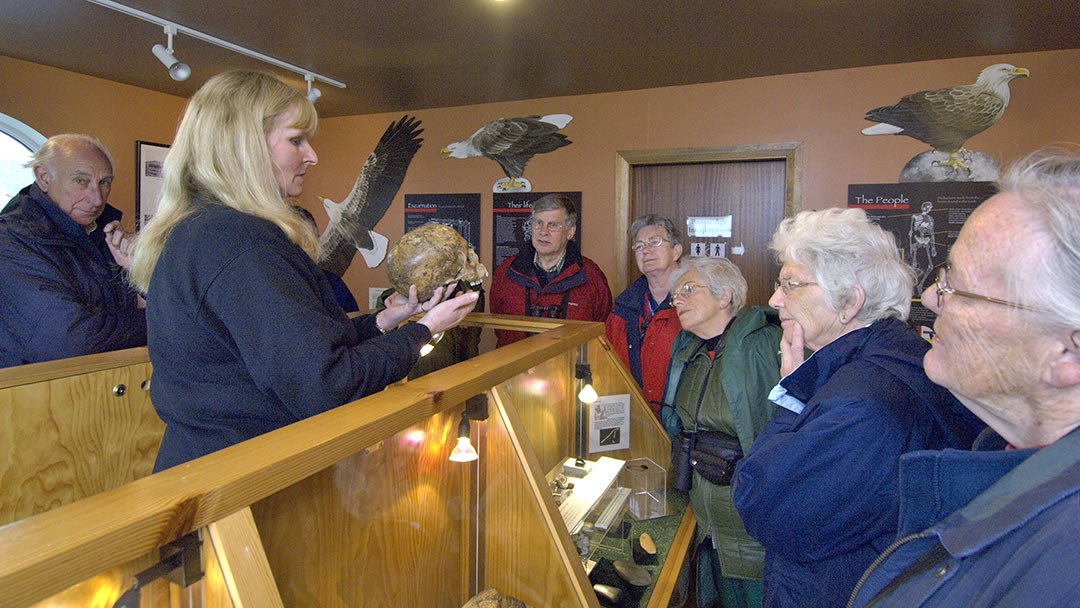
[(704, 385)]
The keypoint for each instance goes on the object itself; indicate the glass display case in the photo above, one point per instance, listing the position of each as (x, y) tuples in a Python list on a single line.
[(362, 505)]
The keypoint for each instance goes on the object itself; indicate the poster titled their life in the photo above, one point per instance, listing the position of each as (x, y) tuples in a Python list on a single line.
[(459, 211), (510, 226), (926, 218)]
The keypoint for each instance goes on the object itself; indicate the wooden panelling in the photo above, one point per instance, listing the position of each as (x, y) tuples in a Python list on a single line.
[(75, 366), (64, 439), (544, 399), (379, 528), (529, 554), (669, 574), (103, 590), (46, 553)]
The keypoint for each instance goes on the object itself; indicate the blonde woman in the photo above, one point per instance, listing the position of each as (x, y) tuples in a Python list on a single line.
[(244, 333)]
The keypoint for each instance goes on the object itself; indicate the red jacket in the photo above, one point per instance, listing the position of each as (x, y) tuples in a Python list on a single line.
[(651, 349), (580, 292)]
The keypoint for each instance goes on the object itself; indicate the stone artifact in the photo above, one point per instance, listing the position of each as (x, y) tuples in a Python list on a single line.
[(608, 595), (490, 598), (644, 549), (632, 573), (431, 256)]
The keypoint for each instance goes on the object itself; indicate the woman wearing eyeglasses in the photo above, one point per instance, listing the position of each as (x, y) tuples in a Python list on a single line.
[(819, 487), (643, 324), (549, 277), (723, 364)]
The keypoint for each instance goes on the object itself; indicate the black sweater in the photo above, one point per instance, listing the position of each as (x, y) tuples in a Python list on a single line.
[(245, 336)]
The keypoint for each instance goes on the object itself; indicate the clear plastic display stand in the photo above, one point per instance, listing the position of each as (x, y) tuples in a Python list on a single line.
[(647, 482)]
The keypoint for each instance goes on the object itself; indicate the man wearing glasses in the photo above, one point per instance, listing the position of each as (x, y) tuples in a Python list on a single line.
[(550, 278), (998, 526), (643, 323)]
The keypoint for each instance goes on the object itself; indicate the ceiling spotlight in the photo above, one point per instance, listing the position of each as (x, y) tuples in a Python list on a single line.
[(178, 70), (312, 92)]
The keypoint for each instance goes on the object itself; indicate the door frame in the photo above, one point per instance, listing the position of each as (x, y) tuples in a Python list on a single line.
[(625, 160)]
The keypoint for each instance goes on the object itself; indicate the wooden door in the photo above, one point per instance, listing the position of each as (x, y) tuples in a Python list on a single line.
[(752, 187)]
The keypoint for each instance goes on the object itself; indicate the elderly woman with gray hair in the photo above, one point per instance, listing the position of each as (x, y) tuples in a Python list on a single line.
[(819, 489), (643, 322), (723, 364), (997, 526)]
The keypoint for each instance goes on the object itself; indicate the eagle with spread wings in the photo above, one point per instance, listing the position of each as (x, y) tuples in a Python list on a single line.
[(352, 220), (946, 118), (511, 142)]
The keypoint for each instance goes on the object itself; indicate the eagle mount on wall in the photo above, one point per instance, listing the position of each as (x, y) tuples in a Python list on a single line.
[(945, 119), (511, 142), (352, 221)]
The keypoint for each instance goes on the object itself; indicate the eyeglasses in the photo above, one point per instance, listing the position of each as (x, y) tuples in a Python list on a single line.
[(687, 290), (787, 285), (943, 288), (652, 243), (553, 227)]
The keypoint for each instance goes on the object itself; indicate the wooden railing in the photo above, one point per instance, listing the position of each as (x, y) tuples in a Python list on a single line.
[(48, 552)]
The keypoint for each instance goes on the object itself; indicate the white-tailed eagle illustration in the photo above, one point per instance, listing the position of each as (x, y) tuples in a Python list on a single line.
[(352, 220), (511, 142), (946, 118)]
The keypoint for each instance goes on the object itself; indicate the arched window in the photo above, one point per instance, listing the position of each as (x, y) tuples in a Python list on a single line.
[(18, 142)]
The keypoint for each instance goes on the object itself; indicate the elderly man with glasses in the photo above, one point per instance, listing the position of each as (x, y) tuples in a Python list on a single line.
[(550, 278), (643, 323), (1000, 525)]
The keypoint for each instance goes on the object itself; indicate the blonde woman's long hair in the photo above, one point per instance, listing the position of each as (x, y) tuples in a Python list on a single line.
[(220, 154)]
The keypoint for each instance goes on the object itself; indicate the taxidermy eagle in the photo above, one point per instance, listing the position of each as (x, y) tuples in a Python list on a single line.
[(511, 142), (946, 118), (352, 220)]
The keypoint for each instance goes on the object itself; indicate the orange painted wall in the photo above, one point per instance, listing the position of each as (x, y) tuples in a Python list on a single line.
[(824, 110), (54, 101)]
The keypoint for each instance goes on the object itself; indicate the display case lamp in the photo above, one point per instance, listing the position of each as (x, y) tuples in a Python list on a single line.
[(583, 372), (464, 451)]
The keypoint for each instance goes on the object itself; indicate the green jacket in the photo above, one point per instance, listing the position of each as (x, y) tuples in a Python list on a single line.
[(736, 402)]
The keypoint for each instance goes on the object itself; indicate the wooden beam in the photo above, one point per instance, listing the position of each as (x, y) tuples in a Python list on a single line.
[(47, 553), (243, 562), (669, 574)]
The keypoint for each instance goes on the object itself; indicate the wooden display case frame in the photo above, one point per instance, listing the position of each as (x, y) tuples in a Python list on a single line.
[(254, 501)]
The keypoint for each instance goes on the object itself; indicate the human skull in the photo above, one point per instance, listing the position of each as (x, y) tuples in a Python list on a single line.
[(429, 257)]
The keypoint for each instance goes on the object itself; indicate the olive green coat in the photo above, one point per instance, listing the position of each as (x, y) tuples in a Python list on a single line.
[(734, 401)]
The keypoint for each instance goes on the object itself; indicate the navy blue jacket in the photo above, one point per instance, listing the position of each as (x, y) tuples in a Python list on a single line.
[(245, 336), (61, 292), (819, 489), (644, 346), (1005, 526)]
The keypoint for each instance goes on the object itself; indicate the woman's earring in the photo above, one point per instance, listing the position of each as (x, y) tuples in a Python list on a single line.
[(843, 317)]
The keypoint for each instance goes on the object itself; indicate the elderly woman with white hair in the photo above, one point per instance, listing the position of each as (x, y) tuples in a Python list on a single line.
[(998, 526), (819, 489), (723, 364)]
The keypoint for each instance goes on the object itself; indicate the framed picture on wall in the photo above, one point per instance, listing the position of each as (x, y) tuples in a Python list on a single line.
[(149, 159)]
